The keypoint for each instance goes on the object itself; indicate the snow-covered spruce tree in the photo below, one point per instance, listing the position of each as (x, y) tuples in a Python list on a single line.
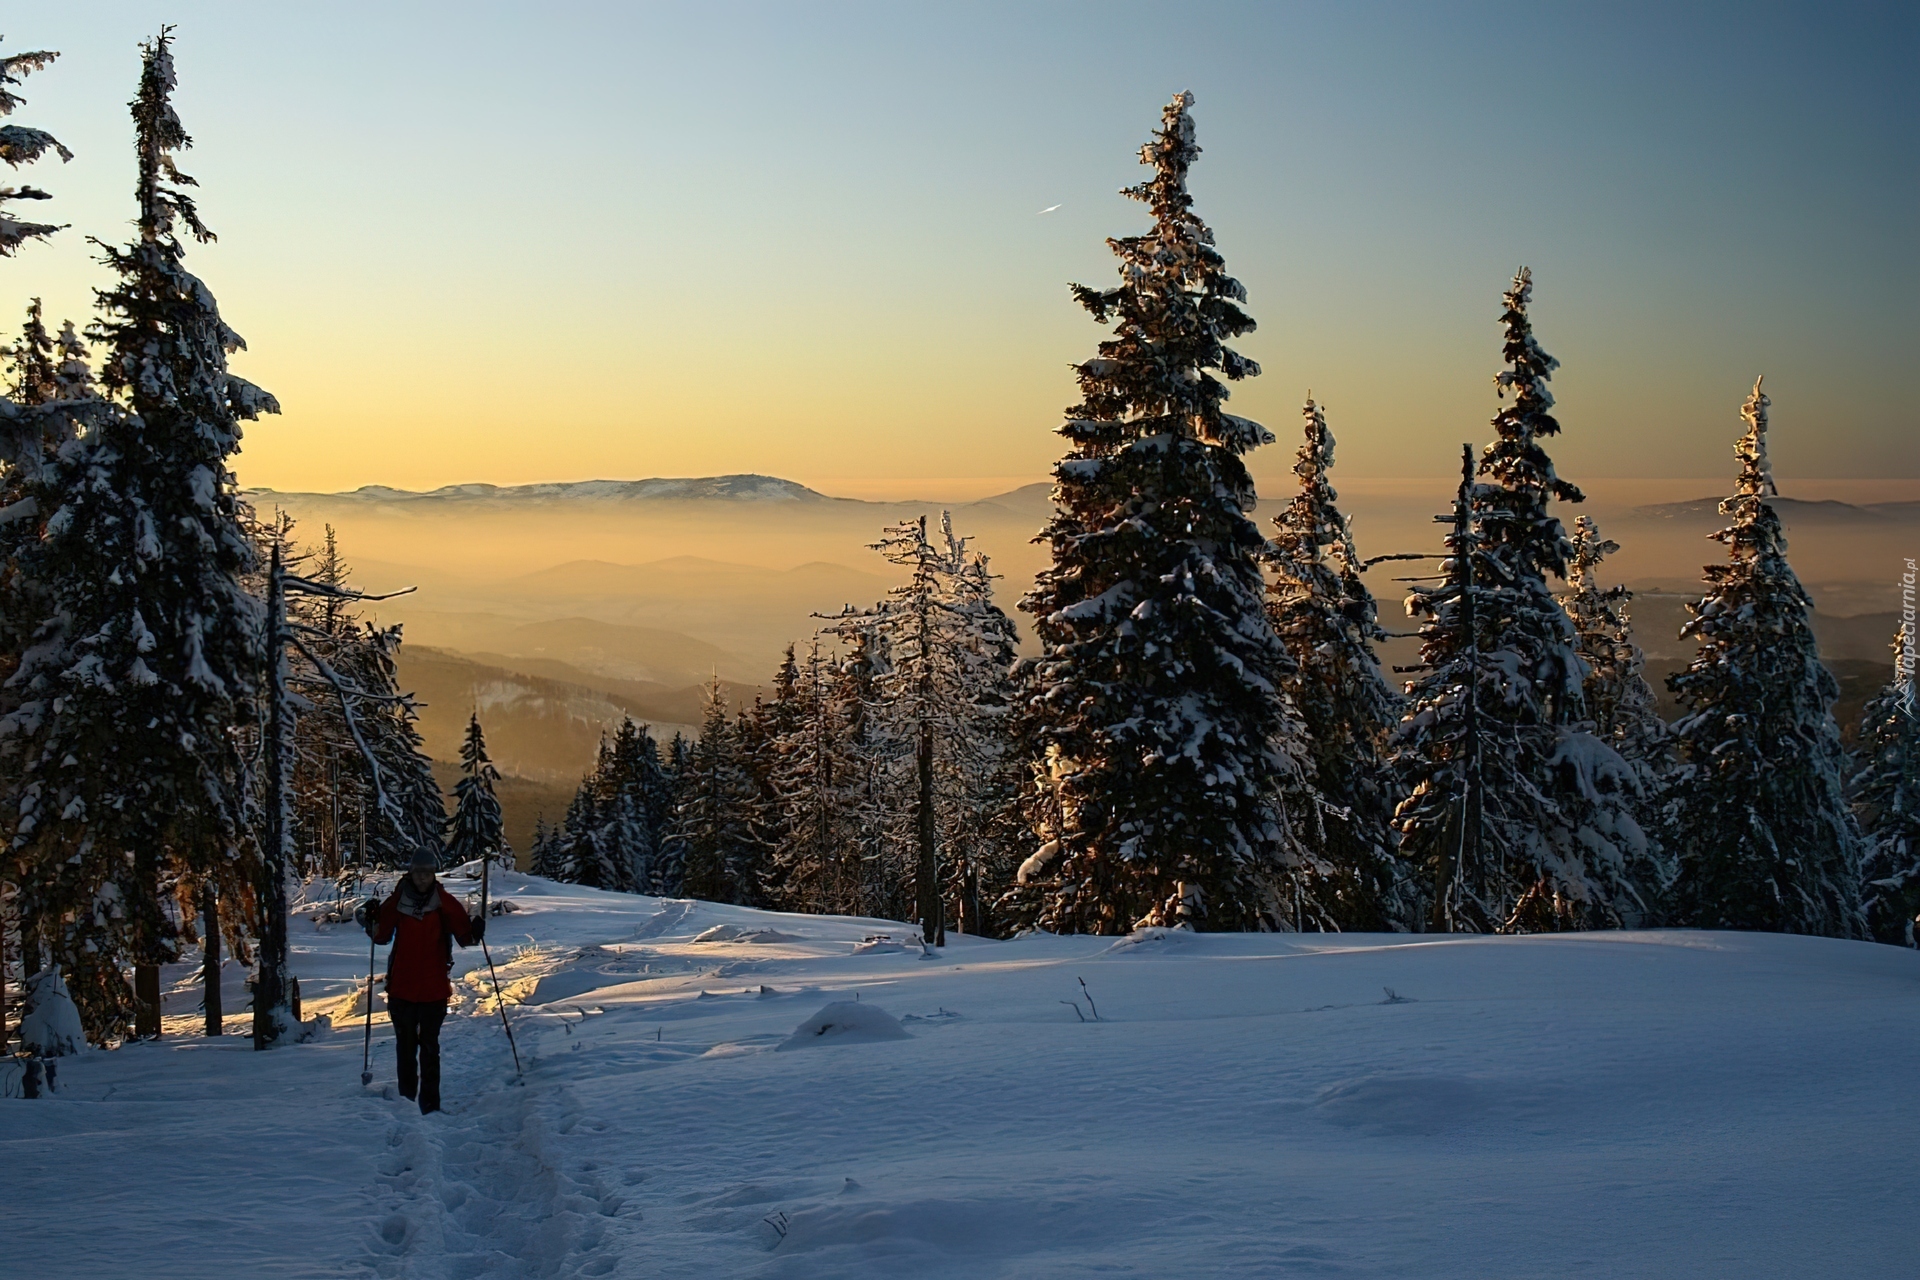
[(763, 734), (1886, 798), (540, 853), (53, 401), (720, 853), (1165, 731), (1516, 817), (810, 867), (393, 735), (1756, 815), (625, 786), (580, 854), (337, 819), (874, 859), (330, 796), (474, 832), (670, 865), (934, 729), (656, 803), (983, 829), (20, 145), (129, 764), (1619, 700), (1324, 614)]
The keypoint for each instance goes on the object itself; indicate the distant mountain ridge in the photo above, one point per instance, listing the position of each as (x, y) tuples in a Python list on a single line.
[(738, 488), (1821, 511), (698, 489)]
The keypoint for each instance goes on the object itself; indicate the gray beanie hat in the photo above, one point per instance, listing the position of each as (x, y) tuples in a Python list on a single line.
[(423, 860)]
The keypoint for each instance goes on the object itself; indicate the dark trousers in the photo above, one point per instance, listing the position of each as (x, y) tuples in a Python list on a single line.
[(416, 1034)]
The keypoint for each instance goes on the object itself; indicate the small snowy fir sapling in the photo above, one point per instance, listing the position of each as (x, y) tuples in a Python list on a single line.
[(1324, 614), (1756, 814), (50, 1027), (1886, 799), (1159, 723), (474, 833), (540, 854)]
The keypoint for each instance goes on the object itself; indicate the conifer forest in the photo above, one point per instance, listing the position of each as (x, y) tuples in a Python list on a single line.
[(1219, 708)]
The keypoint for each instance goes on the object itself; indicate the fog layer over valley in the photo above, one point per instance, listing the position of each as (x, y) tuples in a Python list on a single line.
[(557, 609)]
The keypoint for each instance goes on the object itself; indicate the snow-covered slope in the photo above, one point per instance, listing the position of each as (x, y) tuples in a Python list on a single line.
[(1649, 1104)]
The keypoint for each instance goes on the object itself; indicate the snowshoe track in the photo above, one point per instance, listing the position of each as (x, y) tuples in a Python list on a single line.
[(479, 1192)]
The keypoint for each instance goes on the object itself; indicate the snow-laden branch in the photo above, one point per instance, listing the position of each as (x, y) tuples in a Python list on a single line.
[(347, 694), (308, 587)]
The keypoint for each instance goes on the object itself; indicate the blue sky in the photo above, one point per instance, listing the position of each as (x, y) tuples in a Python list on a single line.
[(519, 242)]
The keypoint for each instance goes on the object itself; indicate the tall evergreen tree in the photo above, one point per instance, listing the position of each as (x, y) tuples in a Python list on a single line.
[(1324, 614), (1886, 797), (53, 400), (1164, 730), (475, 832), (1756, 814), (1516, 815), (130, 764)]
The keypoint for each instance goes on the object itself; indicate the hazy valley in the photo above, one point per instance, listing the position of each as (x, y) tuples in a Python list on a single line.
[(557, 609)]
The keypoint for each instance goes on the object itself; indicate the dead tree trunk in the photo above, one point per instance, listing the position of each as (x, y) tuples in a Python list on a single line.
[(933, 927), (272, 997)]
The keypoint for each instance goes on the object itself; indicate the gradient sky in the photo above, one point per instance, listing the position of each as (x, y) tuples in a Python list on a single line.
[(529, 242)]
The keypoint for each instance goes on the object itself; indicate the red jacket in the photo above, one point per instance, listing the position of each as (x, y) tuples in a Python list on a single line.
[(421, 957)]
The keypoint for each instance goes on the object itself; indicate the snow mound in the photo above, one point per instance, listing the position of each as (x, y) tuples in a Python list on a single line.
[(664, 919), (570, 984), (52, 1027), (734, 933), (846, 1022), (879, 944), (1403, 1104), (1155, 936)]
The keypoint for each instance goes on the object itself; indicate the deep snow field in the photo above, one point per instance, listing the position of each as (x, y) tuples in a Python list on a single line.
[(1617, 1105)]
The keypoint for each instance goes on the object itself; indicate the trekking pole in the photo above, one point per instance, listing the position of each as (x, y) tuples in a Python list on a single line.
[(501, 1002), (486, 863), (366, 1055)]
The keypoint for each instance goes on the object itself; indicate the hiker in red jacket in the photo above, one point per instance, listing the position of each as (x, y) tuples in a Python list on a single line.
[(423, 921)]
